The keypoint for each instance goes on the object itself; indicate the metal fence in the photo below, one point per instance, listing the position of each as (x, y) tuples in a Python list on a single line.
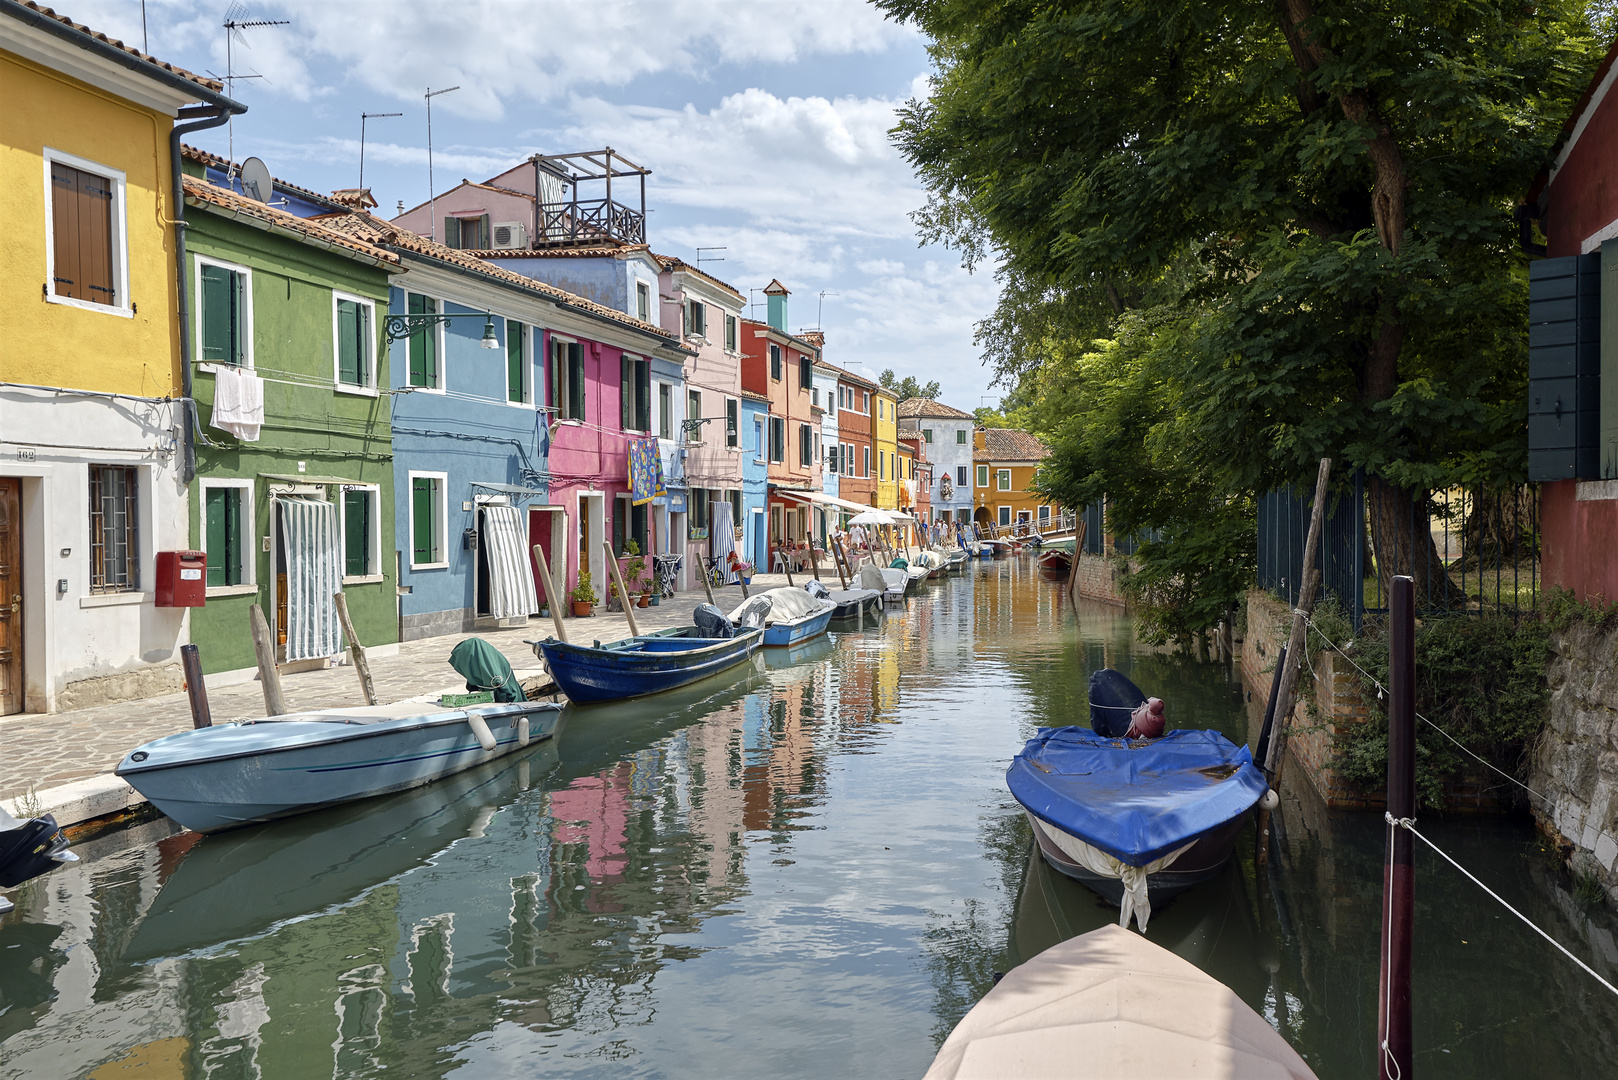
[(1474, 549), (1095, 541)]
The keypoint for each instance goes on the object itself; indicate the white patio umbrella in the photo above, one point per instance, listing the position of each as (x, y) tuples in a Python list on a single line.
[(871, 517)]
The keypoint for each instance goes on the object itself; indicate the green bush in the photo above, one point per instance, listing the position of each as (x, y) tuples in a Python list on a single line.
[(1479, 677)]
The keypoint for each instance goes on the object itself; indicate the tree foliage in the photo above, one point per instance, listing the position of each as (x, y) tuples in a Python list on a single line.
[(908, 387)]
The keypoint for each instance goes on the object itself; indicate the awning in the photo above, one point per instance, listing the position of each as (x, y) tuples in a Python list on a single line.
[(821, 498), (310, 478)]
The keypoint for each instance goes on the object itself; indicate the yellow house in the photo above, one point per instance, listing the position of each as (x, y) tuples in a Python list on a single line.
[(1004, 461), (885, 447), (95, 441)]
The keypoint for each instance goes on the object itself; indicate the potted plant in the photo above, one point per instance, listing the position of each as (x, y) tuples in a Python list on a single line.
[(584, 596), (637, 582)]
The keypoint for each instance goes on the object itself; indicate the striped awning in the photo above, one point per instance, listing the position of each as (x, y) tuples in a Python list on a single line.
[(314, 565), (511, 581)]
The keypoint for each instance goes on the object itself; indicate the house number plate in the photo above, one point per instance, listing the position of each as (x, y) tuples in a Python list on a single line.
[(26, 454)]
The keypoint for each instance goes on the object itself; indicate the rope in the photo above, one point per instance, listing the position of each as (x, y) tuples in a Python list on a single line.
[(1390, 1065), (1407, 823)]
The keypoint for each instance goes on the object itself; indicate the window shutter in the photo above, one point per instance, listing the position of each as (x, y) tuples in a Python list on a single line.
[(626, 396), (218, 315), (483, 233), (423, 344), (452, 232), (216, 537), (557, 362), (348, 339), (731, 437), (421, 495), (575, 373), (514, 364), (357, 532), (686, 311), (643, 395), (81, 209)]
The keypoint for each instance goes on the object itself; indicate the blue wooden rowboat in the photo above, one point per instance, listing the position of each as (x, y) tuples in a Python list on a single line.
[(229, 775), (792, 631), (637, 666)]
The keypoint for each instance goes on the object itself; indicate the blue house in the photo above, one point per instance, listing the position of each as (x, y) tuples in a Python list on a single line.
[(755, 412)]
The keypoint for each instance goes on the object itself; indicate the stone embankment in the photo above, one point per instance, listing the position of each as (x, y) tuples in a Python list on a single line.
[(1575, 763)]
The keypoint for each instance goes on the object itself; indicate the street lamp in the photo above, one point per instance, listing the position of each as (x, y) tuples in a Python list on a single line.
[(402, 326)]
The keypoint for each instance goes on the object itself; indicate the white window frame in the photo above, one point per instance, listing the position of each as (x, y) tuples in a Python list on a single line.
[(437, 330), (1002, 480), (247, 305), (866, 475), (374, 491), (960, 436), (249, 529), (733, 335), (559, 409), (120, 238), (643, 301), (443, 518), (759, 454), (982, 476), (371, 390), (528, 380)]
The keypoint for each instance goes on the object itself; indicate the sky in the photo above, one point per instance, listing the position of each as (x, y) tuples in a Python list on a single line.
[(764, 123)]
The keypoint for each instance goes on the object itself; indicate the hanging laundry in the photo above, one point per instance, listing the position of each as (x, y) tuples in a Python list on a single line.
[(238, 402)]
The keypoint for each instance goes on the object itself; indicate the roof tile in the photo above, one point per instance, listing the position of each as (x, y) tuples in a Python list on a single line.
[(206, 194), (1010, 444), (911, 408)]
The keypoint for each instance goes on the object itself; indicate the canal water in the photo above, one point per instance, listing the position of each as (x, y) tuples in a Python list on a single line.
[(810, 870)]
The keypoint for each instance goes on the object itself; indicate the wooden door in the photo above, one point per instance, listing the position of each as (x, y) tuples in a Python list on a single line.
[(11, 692)]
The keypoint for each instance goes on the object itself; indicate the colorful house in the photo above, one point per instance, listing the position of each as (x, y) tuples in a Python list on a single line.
[(780, 366), (825, 395), (755, 421), (915, 476), (95, 435), (947, 434), (1004, 460), (294, 309), (856, 469), (885, 446)]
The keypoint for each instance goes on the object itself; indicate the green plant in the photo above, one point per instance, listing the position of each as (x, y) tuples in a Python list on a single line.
[(635, 568), (1561, 609), (585, 591), (1587, 888)]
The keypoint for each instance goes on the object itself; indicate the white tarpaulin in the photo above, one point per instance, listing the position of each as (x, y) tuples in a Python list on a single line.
[(314, 568), (1136, 900), (723, 532), (511, 582), (785, 604)]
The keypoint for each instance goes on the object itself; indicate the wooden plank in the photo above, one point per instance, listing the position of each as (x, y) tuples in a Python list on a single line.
[(550, 600)]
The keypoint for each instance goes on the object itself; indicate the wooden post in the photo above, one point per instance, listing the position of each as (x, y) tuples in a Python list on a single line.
[(1398, 875), (833, 545), (195, 691), (786, 564), (1300, 627), (624, 597), (268, 673), (355, 651), (707, 587), (1073, 570), (814, 563), (550, 584)]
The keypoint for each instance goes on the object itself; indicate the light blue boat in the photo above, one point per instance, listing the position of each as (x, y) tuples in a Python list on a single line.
[(229, 775), (789, 615)]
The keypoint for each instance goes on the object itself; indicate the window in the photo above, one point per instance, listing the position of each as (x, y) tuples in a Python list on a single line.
[(960, 437), (517, 380), (806, 445), (881, 414), (693, 409), (730, 332), (881, 465), (428, 541), (355, 341), (731, 435), (224, 313), (734, 497), (1044, 514), (226, 524), (665, 411), (1005, 515), (114, 521), (423, 343), (927, 434), (567, 379), (628, 523), (806, 375), (775, 362), (643, 302), (361, 549), (1002, 480), (960, 476), (983, 476), (778, 439), (467, 233), (699, 509), (696, 318), (814, 396), (87, 262), (635, 393), (758, 439), (831, 459), (867, 409)]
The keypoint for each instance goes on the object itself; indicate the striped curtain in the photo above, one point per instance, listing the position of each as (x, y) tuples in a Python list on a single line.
[(511, 582), (723, 532), (314, 563)]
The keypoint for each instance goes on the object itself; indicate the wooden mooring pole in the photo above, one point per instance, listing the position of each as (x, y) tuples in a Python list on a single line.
[(356, 651), (1398, 874), (195, 690), (269, 675), (550, 587), (623, 597), (1285, 694)]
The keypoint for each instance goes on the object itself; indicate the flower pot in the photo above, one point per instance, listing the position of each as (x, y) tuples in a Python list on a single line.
[(644, 601), (656, 600), (582, 609)]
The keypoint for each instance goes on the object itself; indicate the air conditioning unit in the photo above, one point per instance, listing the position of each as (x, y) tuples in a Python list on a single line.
[(510, 236)]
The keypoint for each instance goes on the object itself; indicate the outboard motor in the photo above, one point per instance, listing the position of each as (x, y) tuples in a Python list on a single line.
[(485, 668), (711, 622), (29, 847), (1113, 701), (754, 612), (816, 589)]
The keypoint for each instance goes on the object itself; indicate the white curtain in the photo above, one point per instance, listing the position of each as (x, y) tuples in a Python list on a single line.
[(511, 582), (723, 532), (314, 567)]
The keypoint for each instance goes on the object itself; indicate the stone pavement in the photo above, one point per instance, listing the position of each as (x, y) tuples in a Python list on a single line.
[(42, 753)]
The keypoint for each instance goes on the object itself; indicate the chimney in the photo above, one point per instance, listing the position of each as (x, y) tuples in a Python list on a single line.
[(778, 294)]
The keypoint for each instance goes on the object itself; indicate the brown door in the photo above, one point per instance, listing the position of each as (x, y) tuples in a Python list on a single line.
[(10, 596)]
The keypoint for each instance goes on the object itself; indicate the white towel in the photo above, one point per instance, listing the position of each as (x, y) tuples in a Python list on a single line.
[(238, 402)]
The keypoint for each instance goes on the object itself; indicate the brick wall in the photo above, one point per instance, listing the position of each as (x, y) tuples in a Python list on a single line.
[(1098, 579)]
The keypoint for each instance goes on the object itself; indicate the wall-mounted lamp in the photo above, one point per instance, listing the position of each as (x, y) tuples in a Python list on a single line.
[(402, 326)]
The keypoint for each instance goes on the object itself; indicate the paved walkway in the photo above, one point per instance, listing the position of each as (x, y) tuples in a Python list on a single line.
[(43, 752)]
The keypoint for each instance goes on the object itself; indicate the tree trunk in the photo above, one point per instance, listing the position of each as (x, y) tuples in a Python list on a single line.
[(1500, 527), (1402, 539)]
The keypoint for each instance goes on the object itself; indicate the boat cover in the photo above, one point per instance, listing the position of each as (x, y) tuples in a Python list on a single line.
[(711, 622), (1135, 799), (785, 605), (485, 668)]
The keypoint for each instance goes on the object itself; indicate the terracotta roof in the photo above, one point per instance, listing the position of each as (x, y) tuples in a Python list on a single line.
[(672, 263), (207, 158), (751, 396), (1010, 444), (845, 374), (815, 338), (206, 83), (359, 198), (201, 193), (374, 230), (915, 407)]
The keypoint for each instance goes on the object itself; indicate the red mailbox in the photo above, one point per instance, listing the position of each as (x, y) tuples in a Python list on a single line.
[(182, 578)]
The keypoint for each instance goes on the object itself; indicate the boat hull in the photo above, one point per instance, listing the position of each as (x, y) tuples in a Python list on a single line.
[(231, 775), (1203, 861), (855, 603), (589, 676), (780, 635), (1055, 564)]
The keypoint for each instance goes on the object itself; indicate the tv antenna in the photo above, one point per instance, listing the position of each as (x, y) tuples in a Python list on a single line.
[(432, 212), (364, 116), (701, 258), (820, 307), (236, 21)]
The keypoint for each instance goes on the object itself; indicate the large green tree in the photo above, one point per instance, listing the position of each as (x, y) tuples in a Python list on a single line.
[(1327, 189)]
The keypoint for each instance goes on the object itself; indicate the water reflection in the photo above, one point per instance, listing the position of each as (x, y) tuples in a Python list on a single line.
[(809, 867)]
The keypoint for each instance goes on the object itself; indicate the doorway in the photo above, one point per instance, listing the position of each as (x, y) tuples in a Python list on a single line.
[(592, 509), (11, 678), (547, 530)]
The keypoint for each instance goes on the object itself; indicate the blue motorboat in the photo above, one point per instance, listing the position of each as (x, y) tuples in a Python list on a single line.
[(789, 615), (1136, 819), (29, 847), (648, 664), (229, 775)]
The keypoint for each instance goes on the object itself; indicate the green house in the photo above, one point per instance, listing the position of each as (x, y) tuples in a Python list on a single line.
[(293, 499)]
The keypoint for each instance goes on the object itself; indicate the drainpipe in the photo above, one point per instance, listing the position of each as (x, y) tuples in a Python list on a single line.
[(206, 116)]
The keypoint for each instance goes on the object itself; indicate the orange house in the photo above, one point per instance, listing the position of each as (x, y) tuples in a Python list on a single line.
[(1004, 461)]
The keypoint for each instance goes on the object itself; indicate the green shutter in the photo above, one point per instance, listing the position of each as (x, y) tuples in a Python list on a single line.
[(422, 538), (452, 232), (626, 392), (216, 536), (514, 372), (575, 378), (557, 361), (357, 532), (423, 344), (348, 343), (220, 300), (483, 233)]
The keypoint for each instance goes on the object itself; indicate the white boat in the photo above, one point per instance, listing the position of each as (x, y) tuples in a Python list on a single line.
[(229, 775), (1112, 1004)]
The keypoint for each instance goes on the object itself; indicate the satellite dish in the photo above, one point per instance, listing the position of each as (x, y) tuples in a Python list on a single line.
[(257, 183)]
